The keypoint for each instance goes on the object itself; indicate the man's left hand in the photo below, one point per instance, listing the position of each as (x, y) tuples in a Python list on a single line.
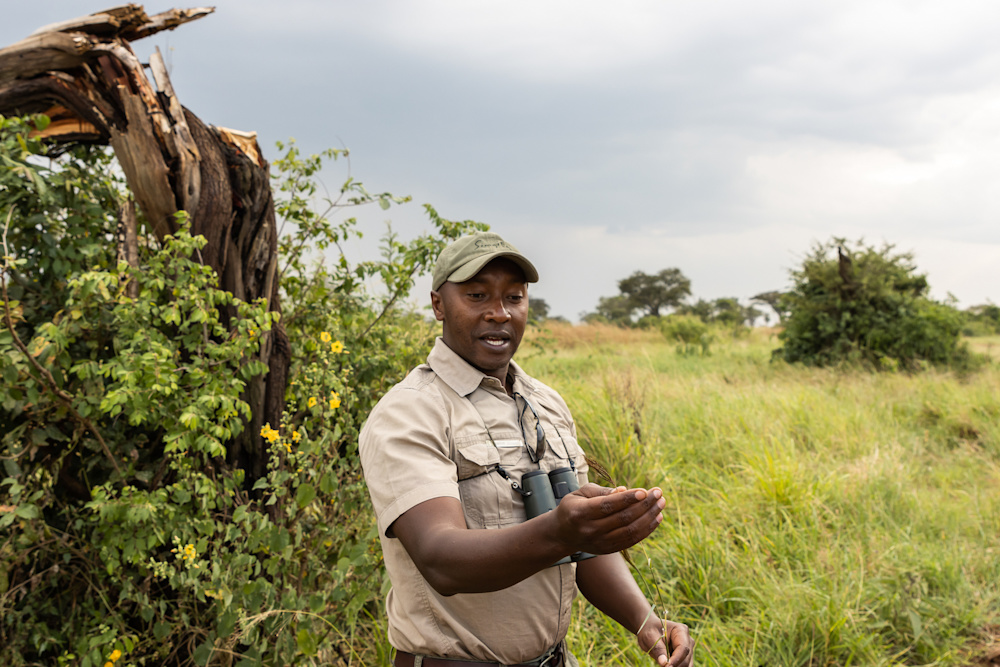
[(668, 644)]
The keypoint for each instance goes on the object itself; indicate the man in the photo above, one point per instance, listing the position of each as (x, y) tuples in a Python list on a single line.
[(446, 454)]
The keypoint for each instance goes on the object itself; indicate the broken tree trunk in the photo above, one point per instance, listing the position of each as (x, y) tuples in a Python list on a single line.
[(85, 76)]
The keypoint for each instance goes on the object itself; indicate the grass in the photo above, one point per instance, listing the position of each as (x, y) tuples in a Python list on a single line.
[(988, 345), (814, 517)]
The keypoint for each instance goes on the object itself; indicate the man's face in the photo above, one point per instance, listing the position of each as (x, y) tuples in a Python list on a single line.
[(484, 317)]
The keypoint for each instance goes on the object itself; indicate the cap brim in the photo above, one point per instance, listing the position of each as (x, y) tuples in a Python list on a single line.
[(470, 269)]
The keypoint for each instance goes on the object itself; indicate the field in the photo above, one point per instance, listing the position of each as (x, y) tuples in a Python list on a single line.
[(814, 517)]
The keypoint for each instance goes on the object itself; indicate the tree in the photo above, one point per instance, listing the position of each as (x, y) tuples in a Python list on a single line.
[(982, 320), (538, 310), (84, 75), (727, 311), (166, 496), (615, 309), (853, 302), (774, 300), (653, 293)]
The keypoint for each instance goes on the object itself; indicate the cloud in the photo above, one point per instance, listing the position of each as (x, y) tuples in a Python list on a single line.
[(720, 137)]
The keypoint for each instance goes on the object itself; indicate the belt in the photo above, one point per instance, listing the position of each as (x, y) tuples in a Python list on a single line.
[(552, 658)]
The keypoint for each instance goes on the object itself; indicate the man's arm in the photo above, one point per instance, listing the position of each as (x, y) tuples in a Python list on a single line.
[(608, 585), (455, 559)]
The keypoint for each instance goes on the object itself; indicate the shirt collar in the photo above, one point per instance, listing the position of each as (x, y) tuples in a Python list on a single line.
[(464, 378)]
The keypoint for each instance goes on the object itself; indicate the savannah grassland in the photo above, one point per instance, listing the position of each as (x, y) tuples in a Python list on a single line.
[(814, 516)]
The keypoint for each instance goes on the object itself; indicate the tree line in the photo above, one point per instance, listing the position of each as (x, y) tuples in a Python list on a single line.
[(849, 302), (643, 298)]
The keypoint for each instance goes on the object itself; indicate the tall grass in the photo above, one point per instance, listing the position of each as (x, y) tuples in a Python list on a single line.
[(814, 517)]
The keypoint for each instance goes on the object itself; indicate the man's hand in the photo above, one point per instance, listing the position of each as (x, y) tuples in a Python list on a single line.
[(678, 650), (600, 520)]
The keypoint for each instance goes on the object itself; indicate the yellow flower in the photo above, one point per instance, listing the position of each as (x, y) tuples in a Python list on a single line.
[(288, 447), (312, 401), (252, 333), (189, 553), (115, 655), (325, 337), (335, 401), (109, 664), (336, 347), (296, 436), (267, 432)]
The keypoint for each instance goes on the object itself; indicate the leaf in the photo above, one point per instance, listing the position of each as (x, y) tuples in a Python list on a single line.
[(916, 625), (28, 511), (307, 641), (305, 495)]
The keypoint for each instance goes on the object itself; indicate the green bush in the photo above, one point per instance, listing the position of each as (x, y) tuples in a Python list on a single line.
[(856, 303), (982, 320), (128, 532), (690, 333)]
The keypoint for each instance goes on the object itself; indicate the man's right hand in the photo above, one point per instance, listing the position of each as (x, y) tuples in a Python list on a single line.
[(601, 520)]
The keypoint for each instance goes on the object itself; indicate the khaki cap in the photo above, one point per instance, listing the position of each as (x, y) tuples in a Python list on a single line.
[(466, 257)]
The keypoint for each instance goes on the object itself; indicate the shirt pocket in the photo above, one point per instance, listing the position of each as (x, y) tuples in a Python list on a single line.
[(476, 458), (485, 495), (562, 448)]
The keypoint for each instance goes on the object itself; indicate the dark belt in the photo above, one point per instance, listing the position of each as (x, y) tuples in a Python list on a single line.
[(404, 659)]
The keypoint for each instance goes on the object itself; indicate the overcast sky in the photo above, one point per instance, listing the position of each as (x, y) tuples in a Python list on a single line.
[(720, 137)]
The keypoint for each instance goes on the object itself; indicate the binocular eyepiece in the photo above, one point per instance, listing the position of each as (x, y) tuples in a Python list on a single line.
[(542, 492)]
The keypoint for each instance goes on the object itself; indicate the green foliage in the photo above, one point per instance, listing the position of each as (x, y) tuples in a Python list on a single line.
[(653, 293), (727, 312), (982, 320), (538, 310), (867, 305), (128, 532), (614, 310), (644, 293), (690, 333), (774, 299), (815, 517)]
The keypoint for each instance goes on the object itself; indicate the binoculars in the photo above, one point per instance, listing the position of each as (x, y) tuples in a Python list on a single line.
[(542, 492)]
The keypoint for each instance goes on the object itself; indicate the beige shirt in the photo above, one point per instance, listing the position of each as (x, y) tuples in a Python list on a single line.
[(429, 437)]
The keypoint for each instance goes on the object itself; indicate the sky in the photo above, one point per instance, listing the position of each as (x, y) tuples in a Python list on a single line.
[(721, 137)]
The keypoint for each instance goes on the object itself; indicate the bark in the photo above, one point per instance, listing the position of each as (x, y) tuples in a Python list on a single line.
[(85, 76)]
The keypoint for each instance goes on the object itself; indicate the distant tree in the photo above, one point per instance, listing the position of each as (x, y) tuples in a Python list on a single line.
[(593, 318), (982, 320), (701, 309), (728, 311), (725, 310), (772, 299), (538, 310), (866, 304), (653, 293), (616, 309)]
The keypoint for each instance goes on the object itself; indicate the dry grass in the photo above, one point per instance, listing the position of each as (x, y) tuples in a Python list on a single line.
[(566, 336), (988, 345)]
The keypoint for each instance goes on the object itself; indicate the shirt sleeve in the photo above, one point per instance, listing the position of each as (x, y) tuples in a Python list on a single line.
[(406, 453)]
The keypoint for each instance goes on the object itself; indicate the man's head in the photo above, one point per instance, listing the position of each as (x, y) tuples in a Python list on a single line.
[(481, 297)]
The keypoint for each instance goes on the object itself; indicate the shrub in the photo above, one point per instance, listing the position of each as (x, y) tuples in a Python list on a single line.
[(690, 333), (856, 303), (128, 528)]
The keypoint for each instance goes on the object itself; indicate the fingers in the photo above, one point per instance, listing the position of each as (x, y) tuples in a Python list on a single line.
[(680, 641), (608, 520), (657, 651), (591, 490), (615, 500)]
